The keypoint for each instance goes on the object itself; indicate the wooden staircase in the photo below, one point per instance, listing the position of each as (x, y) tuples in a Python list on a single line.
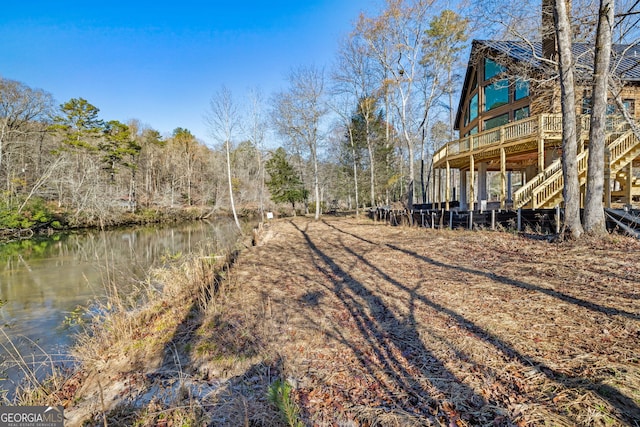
[(545, 190)]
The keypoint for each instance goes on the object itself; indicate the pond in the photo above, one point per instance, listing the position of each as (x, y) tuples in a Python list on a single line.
[(45, 282)]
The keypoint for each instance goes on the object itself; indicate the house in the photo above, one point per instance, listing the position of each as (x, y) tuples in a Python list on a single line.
[(510, 128)]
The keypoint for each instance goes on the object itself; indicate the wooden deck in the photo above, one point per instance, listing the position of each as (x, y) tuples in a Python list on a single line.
[(517, 145)]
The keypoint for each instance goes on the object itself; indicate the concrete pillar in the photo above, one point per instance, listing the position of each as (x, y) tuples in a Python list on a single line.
[(463, 190), (447, 189), (503, 179), (482, 182)]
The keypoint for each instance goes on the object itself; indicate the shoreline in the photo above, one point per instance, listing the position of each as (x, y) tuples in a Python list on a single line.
[(344, 320)]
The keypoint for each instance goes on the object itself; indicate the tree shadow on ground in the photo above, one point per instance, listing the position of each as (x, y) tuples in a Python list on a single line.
[(396, 345), (626, 407)]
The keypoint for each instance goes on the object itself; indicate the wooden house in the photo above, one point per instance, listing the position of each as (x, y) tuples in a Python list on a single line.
[(510, 128)]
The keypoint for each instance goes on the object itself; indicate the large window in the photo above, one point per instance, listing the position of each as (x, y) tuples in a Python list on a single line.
[(494, 122), (522, 89), (472, 111), (496, 94), (521, 113), (491, 69)]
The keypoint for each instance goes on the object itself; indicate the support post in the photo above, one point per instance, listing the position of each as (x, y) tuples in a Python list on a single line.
[(607, 179), (629, 186), (472, 185), (447, 186), (540, 155), (493, 219), (463, 190), (503, 178), (519, 219)]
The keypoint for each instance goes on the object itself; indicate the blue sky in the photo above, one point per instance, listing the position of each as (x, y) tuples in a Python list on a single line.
[(160, 62)]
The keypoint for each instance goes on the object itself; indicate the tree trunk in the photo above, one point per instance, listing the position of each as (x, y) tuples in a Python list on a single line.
[(233, 205), (355, 170), (372, 161), (316, 183), (571, 192), (594, 220)]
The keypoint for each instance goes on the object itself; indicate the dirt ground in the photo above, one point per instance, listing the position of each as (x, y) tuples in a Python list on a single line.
[(380, 325)]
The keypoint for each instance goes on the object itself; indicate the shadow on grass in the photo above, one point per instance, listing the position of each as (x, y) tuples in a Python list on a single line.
[(627, 408), (396, 345)]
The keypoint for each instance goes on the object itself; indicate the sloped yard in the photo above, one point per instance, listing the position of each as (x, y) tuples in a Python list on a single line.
[(379, 325)]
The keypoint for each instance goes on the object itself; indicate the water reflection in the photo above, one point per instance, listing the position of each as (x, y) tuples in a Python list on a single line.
[(41, 282)]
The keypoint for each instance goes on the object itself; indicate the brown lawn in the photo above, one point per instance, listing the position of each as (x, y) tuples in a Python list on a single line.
[(380, 325)]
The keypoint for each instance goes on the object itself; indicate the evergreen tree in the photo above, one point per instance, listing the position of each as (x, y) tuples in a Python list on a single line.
[(284, 184)]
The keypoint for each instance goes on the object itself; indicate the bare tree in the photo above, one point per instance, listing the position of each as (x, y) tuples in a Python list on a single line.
[(571, 191), (594, 220), (257, 125), (298, 114), (395, 38), (223, 120), (20, 109), (357, 77)]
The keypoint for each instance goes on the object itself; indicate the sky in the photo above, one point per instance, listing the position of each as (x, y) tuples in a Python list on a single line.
[(161, 62)]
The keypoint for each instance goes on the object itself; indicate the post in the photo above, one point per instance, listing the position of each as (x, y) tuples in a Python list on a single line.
[(540, 155), (463, 189), (493, 219), (471, 183), (607, 178), (629, 186), (470, 220), (447, 186), (450, 220), (519, 219), (558, 219), (503, 178), (483, 193)]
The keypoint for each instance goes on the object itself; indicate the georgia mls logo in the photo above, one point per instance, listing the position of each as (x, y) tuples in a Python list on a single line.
[(31, 416)]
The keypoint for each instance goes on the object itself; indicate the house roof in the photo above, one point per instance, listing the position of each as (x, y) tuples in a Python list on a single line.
[(625, 59)]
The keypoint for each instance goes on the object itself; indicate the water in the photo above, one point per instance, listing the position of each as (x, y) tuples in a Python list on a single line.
[(43, 282)]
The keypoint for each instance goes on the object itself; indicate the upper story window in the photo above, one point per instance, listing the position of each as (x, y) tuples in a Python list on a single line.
[(521, 90), (496, 94), (491, 68), (473, 108), (494, 122)]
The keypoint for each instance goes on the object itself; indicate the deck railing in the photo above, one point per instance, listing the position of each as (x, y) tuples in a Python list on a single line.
[(542, 125), (619, 148), (554, 184), (524, 194), (526, 128), (548, 184)]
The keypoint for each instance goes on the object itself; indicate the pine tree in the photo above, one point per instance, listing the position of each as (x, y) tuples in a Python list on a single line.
[(284, 184)]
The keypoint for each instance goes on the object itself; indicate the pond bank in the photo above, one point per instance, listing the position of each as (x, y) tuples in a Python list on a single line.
[(353, 322)]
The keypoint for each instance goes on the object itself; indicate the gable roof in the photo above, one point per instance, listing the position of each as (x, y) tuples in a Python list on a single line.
[(625, 59)]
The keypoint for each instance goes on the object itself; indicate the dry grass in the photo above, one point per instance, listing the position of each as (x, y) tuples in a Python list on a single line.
[(379, 325), (373, 325)]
